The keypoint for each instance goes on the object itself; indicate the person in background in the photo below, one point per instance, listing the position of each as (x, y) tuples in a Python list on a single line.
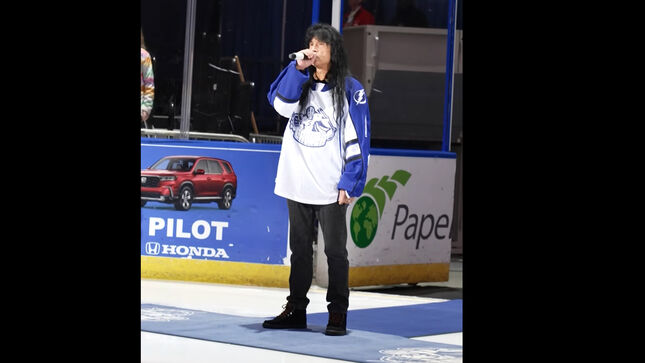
[(322, 168), (357, 14), (147, 83)]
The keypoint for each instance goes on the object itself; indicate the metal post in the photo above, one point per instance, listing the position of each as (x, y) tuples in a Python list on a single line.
[(447, 107), (284, 23), (315, 11), (188, 69), (342, 13), (337, 15)]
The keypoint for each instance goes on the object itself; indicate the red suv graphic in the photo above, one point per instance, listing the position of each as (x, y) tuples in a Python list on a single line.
[(184, 180)]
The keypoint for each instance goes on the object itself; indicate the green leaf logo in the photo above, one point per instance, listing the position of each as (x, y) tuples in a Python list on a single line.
[(368, 209)]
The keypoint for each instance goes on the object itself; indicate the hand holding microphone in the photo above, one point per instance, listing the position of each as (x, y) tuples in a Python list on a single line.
[(298, 56), (304, 58)]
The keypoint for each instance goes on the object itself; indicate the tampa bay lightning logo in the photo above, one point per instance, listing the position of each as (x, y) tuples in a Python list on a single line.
[(312, 128), (359, 97)]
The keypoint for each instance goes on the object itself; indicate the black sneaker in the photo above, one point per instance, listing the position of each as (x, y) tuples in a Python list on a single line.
[(337, 324), (290, 318)]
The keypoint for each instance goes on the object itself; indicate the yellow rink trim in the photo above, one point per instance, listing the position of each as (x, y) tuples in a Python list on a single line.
[(224, 272), (398, 274), (257, 274)]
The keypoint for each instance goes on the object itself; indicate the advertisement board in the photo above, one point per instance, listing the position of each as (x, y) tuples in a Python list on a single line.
[(251, 228), (398, 228)]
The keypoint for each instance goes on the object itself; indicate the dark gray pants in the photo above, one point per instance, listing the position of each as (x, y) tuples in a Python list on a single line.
[(301, 235)]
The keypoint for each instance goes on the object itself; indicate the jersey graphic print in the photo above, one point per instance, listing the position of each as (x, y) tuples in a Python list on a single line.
[(359, 97), (312, 128)]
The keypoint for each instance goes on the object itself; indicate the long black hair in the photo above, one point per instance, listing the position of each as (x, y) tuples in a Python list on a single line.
[(338, 68)]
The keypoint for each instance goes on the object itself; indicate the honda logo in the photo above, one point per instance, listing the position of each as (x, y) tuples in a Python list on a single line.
[(153, 248)]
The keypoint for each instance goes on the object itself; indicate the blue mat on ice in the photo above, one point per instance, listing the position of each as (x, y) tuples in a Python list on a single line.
[(358, 345), (406, 321)]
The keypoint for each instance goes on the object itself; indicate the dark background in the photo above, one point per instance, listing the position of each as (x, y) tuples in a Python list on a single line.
[(252, 30)]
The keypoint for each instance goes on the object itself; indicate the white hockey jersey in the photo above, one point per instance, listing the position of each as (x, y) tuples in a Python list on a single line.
[(319, 156)]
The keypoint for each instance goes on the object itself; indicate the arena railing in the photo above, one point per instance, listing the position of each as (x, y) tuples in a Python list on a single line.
[(192, 135)]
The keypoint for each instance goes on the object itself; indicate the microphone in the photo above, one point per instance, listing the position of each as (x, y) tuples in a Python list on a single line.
[(298, 55)]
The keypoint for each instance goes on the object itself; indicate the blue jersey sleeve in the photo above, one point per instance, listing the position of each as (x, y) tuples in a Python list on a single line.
[(284, 92), (356, 163)]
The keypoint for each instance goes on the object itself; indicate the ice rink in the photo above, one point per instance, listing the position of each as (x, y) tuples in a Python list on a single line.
[(263, 302)]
